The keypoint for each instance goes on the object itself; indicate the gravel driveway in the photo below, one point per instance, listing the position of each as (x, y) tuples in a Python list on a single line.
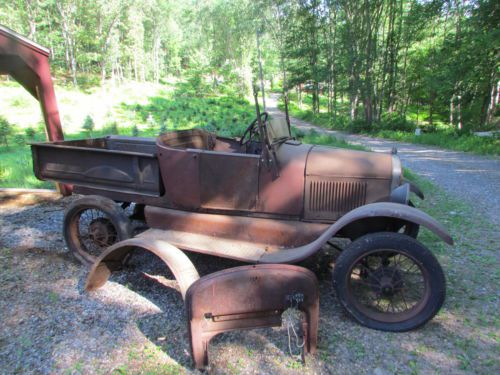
[(473, 178)]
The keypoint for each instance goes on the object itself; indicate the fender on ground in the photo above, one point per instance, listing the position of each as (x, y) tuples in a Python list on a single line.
[(112, 259)]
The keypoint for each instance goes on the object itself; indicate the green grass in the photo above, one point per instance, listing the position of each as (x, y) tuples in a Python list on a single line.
[(446, 139), (16, 169), (316, 138), (440, 135), (225, 115)]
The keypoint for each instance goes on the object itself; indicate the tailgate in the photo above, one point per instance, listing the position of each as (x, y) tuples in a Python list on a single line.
[(100, 164)]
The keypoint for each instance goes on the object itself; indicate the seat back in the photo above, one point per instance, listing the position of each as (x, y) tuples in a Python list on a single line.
[(195, 138)]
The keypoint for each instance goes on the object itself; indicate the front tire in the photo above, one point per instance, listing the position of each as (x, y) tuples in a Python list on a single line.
[(389, 282)]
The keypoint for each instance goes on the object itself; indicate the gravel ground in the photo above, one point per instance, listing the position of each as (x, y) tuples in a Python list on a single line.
[(473, 178)]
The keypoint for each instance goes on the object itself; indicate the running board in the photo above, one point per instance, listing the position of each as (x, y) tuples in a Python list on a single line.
[(245, 229), (201, 243)]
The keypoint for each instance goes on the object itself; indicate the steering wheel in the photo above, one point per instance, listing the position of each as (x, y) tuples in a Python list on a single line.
[(251, 129)]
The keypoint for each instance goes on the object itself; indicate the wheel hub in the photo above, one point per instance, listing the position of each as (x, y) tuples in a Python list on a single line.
[(102, 232), (386, 281)]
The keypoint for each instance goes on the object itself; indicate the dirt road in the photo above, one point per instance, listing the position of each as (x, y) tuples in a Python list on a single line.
[(473, 178)]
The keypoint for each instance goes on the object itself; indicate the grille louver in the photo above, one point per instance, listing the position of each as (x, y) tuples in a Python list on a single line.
[(331, 199)]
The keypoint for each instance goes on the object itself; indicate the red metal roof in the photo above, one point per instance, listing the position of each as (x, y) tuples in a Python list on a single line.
[(9, 33), (28, 63)]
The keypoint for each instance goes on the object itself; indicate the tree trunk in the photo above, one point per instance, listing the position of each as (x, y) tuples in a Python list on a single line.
[(68, 25), (459, 112), (261, 73), (315, 97), (156, 55), (354, 100), (299, 95), (452, 110), (432, 97), (32, 12), (493, 102)]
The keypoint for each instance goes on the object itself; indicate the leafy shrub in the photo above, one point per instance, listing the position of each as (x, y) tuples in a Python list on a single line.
[(41, 128), (19, 140), (5, 130), (88, 125), (359, 126), (111, 128), (19, 101), (30, 133), (428, 128), (341, 122), (151, 122), (393, 121), (163, 127), (135, 131)]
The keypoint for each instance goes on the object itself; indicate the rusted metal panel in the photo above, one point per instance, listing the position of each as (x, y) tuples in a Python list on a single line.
[(180, 168), (112, 259), (180, 175), (285, 194), (328, 199), (229, 180), (224, 180), (283, 233), (338, 180), (344, 163), (260, 254), (185, 139), (243, 251), (223, 144), (376, 211), (249, 297), (101, 163)]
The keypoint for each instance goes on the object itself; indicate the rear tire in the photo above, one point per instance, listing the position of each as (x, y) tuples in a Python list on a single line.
[(376, 289), (93, 223)]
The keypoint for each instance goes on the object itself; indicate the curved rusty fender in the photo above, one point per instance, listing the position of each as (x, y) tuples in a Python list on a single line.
[(112, 259), (381, 209)]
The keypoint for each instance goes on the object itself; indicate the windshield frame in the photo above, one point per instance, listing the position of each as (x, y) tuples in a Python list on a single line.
[(282, 133)]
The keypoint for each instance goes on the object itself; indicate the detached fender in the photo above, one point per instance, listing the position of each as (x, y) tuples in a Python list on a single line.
[(372, 210), (112, 259)]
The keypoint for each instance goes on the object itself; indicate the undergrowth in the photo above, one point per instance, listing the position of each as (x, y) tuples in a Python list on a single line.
[(402, 129)]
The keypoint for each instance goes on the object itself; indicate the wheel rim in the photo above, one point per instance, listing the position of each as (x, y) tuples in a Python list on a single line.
[(388, 286), (92, 231)]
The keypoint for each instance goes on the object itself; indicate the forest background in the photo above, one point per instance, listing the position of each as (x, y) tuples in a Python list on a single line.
[(377, 66)]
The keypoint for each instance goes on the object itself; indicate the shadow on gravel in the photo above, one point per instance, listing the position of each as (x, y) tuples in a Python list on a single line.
[(37, 226)]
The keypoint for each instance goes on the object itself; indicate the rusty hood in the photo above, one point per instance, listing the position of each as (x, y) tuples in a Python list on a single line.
[(337, 162), (340, 180)]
